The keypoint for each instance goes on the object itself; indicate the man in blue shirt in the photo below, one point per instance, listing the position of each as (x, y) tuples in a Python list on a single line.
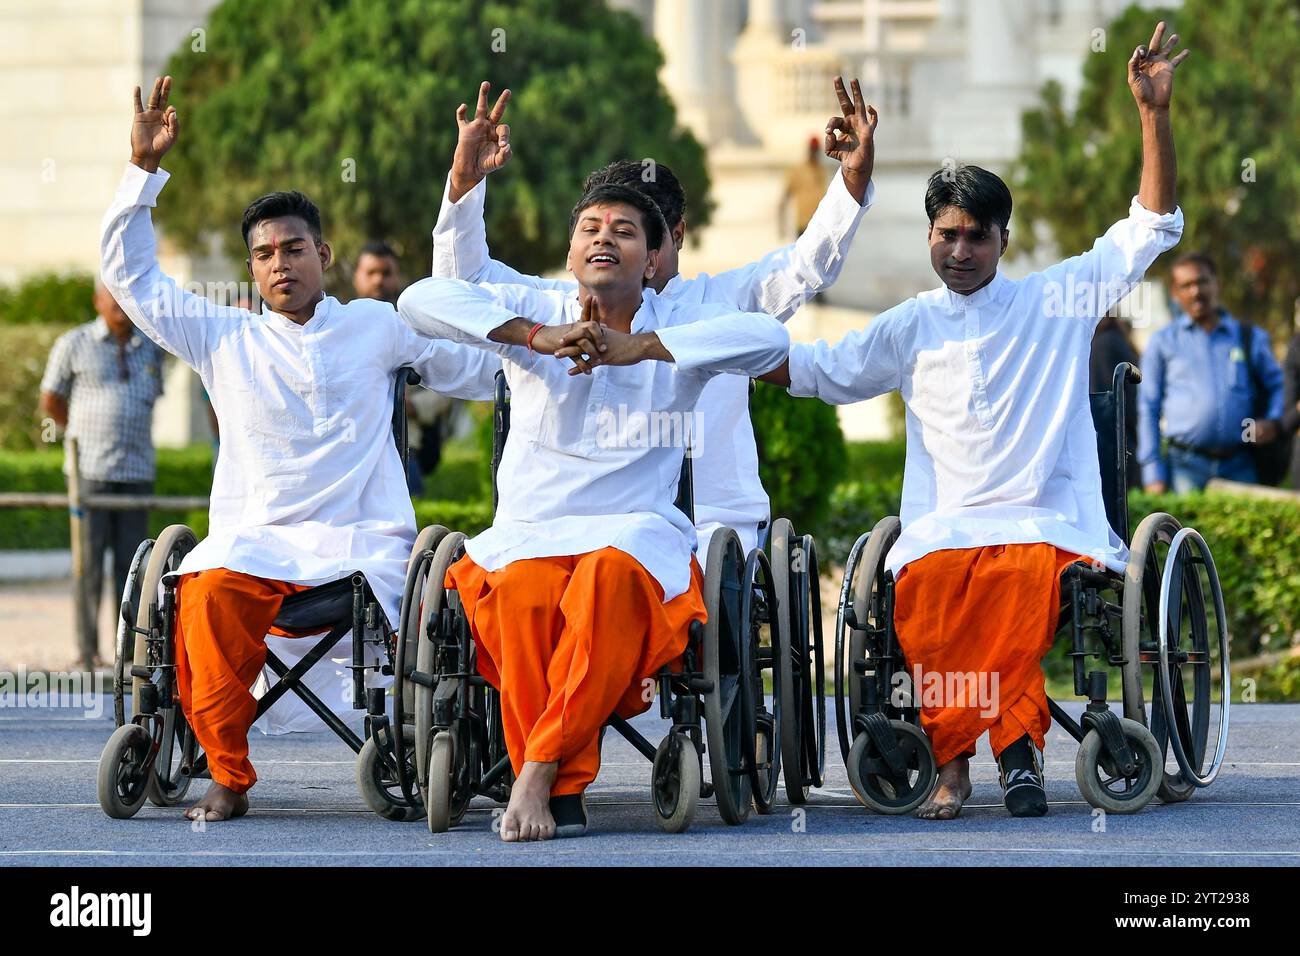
[(1196, 376)]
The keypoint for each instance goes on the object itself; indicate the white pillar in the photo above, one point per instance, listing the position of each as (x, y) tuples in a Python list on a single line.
[(685, 33)]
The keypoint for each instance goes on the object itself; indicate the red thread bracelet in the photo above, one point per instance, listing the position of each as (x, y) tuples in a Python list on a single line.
[(531, 335)]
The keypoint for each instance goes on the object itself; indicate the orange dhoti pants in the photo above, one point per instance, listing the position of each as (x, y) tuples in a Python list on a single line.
[(222, 621), (979, 621), (569, 641)]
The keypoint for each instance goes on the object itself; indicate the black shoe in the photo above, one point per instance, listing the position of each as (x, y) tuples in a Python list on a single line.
[(570, 813), (1021, 775)]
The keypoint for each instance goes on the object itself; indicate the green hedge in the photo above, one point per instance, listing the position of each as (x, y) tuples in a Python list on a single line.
[(181, 471), (188, 471), (49, 297)]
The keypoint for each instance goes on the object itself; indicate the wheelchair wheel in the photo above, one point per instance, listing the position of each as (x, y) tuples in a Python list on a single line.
[(1143, 579), (870, 642), (123, 780), (441, 780), (127, 614), (894, 783), (803, 683), (845, 624), (380, 787), (178, 749), (676, 782), (1106, 788), (168, 552), (417, 571), (1184, 653), (445, 555), (726, 724), (764, 735), (405, 654)]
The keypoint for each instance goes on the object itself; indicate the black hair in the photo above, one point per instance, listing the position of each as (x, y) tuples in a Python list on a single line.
[(278, 205), (1195, 259), (651, 218), (377, 248), (977, 191), (652, 178)]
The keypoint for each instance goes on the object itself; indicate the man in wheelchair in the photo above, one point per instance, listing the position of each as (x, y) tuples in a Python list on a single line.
[(1001, 485), (585, 584), (308, 488)]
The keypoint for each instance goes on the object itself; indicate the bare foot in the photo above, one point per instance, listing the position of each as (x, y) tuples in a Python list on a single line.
[(528, 815), (219, 803), (952, 790)]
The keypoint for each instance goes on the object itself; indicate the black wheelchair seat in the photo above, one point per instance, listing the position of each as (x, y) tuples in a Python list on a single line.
[(320, 607)]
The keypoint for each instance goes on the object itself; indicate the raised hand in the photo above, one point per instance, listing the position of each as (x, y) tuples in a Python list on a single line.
[(850, 138), (483, 143), (155, 128), (1151, 71)]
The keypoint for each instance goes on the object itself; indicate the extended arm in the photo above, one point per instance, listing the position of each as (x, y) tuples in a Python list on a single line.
[(782, 281), (180, 322), (862, 365), (744, 343)]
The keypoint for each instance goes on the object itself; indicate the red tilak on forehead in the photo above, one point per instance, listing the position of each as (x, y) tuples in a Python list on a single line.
[(608, 217)]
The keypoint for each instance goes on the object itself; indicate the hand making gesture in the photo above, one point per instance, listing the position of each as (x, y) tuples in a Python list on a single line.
[(155, 128), (483, 144), (850, 139), (1151, 71)]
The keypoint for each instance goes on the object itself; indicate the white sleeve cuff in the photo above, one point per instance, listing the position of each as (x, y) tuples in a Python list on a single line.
[(140, 187)]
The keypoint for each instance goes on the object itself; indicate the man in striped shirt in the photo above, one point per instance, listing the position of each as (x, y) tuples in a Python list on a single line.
[(100, 385)]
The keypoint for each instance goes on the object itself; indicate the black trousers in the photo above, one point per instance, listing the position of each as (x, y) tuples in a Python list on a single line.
[(117, 533)]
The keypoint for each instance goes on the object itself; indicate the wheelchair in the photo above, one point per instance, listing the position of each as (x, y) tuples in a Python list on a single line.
[(153, 754), (1149, 622), (446, 712)]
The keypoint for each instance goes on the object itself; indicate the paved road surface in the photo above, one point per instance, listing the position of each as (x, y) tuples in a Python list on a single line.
[(306, 811)]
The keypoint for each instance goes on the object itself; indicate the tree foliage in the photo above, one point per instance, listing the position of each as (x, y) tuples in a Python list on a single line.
[(1236, 99), (353, 102)]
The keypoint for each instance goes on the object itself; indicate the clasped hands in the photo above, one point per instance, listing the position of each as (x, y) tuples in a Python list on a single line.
[(590, 343)]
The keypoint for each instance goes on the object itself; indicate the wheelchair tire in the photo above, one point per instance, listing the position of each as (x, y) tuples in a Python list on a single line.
[(868, 591), (127, 613), (871, 785), (845, 621), (1140, 609), (175, 541), (802, 687), (764, 733), (417, 569), (446, 554), (380, 789), (442, 771), (676, 780), (122, 782), (1139, 790), (725, 721)]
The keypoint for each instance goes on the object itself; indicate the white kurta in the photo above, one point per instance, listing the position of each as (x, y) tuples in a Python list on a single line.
[(1000, 442), (593, 461), (728, 491), (309, 486)]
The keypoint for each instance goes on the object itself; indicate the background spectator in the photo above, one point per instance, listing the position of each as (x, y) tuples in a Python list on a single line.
[(100, 385), (1197, 375), (1291, 404)]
